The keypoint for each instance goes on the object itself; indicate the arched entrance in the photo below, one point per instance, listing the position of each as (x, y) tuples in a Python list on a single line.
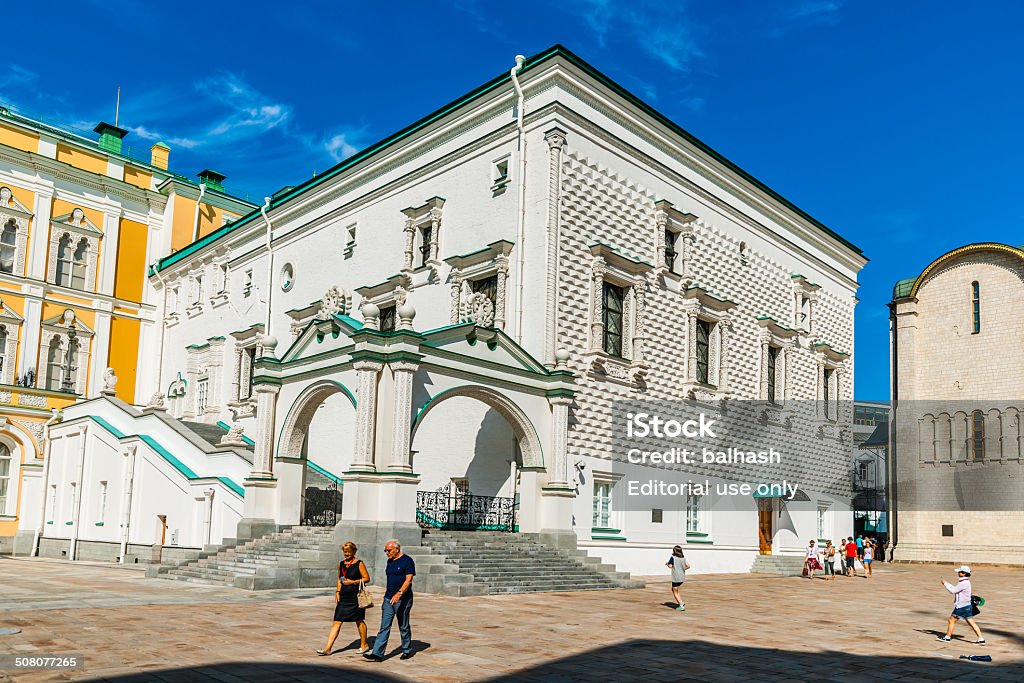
[(470, 453), (314, 448)]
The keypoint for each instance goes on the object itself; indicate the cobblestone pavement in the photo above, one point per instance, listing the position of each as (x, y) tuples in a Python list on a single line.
[(735, 628)]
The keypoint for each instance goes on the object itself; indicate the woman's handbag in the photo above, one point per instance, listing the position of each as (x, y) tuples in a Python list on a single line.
[(363, 599)]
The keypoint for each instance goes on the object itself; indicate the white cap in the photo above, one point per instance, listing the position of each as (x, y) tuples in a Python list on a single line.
[(964, 568)]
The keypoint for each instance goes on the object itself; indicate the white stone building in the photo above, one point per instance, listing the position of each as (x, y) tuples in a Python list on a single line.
[(460, 304), (957, 440)]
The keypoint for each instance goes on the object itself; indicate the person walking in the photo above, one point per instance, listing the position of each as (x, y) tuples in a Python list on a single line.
[(869, 556), (812, 562), (678, 564), (860, 547), (397, 602), (962, 605), (830, 558), (351, 575), (851, 557)]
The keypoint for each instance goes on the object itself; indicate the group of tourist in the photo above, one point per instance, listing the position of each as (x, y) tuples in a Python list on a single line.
[(353, 601), (849, 552)]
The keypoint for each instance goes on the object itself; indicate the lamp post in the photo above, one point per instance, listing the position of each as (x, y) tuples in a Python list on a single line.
[(66, 383)]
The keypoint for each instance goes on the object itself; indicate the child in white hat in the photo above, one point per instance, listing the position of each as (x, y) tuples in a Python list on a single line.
[(962, 605)]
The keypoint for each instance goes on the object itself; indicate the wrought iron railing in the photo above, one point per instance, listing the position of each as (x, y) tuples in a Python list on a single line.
[(455, 509), (322, 506)]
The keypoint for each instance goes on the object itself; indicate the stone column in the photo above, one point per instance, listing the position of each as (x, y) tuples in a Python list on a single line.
[(366, 414), (691, 345), (763, 390), (597, 321), (403, 371), (558, 474), (410, 243), (787, 390), (499, 296), (639, 324), (456, 312), (723, 355), (556, 143), (266, 409), (435, 230)]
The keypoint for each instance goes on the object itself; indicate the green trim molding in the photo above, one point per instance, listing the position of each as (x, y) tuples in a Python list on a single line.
[(503, 80)]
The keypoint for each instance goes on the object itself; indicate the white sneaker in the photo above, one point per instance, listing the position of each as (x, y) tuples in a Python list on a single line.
[(944, 638), (362, 650), (979, 641)]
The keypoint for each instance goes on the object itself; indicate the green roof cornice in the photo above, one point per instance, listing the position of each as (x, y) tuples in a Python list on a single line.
[(495, 83)]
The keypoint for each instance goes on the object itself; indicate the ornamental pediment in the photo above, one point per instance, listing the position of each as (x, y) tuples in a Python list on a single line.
[(830, 352), (65, 322), (77, 221), (8, 315), (10, 204), (486, 346), (708, 300)]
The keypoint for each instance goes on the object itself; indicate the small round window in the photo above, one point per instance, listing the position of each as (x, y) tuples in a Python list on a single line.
[(287, 276)]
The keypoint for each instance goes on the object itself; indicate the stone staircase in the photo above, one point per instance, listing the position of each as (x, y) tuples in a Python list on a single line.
[(778, 565), (463, 563), (297, 557)]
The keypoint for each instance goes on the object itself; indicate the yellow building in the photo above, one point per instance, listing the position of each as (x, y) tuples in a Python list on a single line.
[(80, 220)]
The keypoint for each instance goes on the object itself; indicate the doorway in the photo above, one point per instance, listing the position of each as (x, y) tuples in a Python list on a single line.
[(765, 531)]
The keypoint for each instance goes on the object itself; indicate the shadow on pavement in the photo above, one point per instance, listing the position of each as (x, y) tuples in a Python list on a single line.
[(637, 660)]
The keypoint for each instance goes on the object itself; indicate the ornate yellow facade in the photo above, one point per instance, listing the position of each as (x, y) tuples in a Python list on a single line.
[(79, 224)]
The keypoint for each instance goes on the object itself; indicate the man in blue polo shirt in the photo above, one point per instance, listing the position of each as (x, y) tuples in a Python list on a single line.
[(397, 602)]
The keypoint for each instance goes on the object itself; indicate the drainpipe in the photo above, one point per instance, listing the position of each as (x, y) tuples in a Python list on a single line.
[(163, 328), (892, 491), (521, 211), (80, 493), (56, 416), (270, 264), (129, 490), (208, 517), (195, 221)]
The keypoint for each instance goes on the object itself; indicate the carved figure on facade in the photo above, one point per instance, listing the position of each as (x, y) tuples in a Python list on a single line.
[(478, 309), (233, 437), (335, 301), (109, 382)]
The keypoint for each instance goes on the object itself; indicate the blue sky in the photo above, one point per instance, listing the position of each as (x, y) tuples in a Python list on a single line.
[(896, 124)]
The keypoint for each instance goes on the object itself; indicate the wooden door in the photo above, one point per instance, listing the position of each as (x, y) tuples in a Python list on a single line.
[(764, 525)]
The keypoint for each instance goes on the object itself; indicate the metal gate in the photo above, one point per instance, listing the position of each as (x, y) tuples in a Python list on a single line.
[(448, 508), (322, 505)]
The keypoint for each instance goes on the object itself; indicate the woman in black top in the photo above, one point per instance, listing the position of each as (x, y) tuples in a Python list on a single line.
[(351, 571)]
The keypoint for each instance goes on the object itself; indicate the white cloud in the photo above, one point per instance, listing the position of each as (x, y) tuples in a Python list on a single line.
[(815, 8), (146, 134), (250, 112), (339, 147), (16, 75)]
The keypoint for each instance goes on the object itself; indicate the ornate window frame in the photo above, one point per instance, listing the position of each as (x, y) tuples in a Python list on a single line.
[(13, 210), (778, 336), (834, 362), (668, 219), (58, 327), (12, 322), (336, 301), (607, 265), (805, 300), (700, 304), (220, 281), (205, 362), (426, 216), (77, 227), (467, 306), (197, 287), (246, 346), (391, 293)]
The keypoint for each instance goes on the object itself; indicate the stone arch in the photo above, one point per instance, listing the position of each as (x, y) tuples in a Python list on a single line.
[(949, 259), (524, 430), (300, 415), (19, 447)]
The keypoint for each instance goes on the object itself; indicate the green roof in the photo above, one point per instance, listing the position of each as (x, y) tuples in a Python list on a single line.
[(903, 288), (282, 196)]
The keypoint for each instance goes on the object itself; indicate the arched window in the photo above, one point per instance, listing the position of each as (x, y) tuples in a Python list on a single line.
[(64, 261), (54, 365), (5, 464), (978, 435), (8, 246), (976, 307), (78, 264), (3, 349), (5, 476)]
